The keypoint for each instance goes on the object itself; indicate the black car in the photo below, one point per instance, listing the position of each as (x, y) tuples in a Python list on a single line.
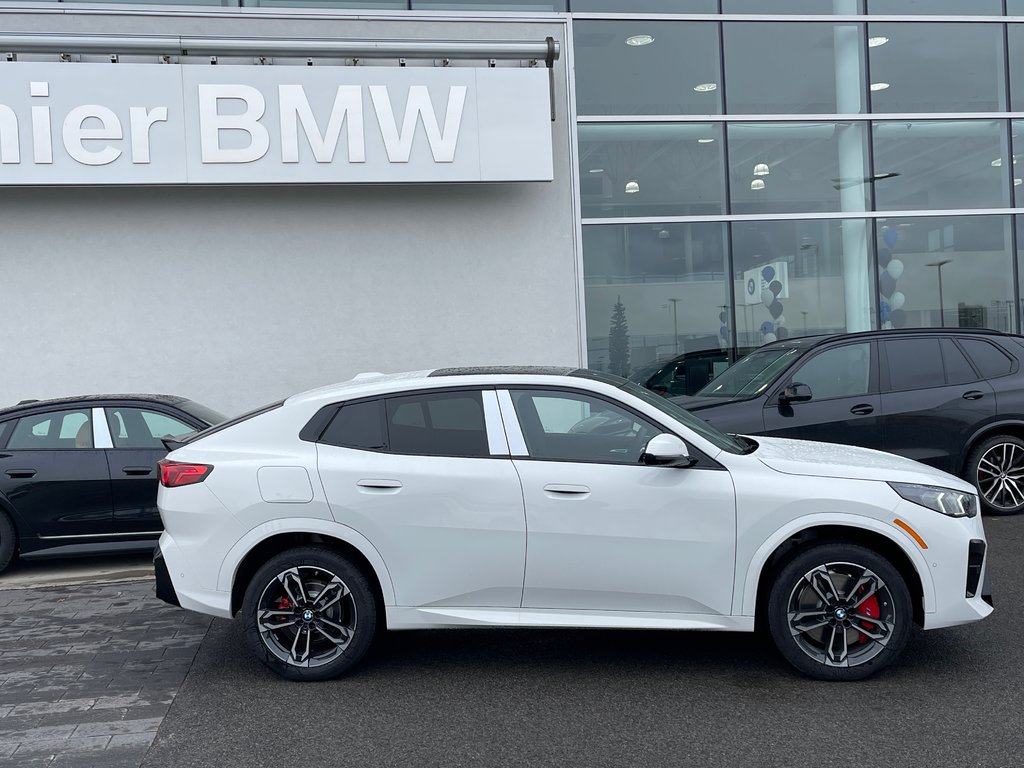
[(685, 374), (949, 397), (79, 476)]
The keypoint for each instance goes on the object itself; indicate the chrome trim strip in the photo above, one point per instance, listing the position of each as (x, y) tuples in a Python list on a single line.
[(102, 535), (516, 441), (791, 18), (497, 445), (100, 429)]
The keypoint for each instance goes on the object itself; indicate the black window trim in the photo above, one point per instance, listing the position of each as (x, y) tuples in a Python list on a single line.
[(786, 376), (1014, 364), (7, 429)]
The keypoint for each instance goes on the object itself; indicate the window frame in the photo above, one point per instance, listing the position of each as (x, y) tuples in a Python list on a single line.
[(108, 408), (786, 379), (8, 429)]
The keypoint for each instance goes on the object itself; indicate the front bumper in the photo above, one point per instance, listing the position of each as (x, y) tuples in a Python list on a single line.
[(164, 585)]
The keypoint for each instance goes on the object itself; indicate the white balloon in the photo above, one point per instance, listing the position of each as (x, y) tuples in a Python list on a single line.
[(769, 338), (897, 300), (895, 268), (887, 325), (767, 297), (780, 320)]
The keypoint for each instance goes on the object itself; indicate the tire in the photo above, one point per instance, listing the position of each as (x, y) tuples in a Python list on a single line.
[(319, 637), (862, 647), (8, 541), (996, 468)]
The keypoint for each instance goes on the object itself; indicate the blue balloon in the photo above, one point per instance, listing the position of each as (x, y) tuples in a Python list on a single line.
[(768, 273), (890, 236), (884, 310), (767, 327), (886, 284), (781, 333), (884, 257), (724, 331)]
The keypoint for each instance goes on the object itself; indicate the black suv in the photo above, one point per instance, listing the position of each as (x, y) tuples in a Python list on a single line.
[(949, 397)]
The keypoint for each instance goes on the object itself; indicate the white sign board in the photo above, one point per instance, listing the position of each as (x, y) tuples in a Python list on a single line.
[(755, 283), (135, 124)]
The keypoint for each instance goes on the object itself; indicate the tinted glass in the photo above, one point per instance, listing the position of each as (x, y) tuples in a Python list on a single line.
[(675, 73), (914, 364), (987, 358), (932, 164), (60, 430), (644, 6), (489, 5), (651, 169), (958, 370), (798, 167), (358, 425), (938, 7), (1013, 173), (138, 428), (816, 7), (400, 5), (1015, 41), (443, 424), (791, 68), (751, 375), (916, 69), (567, 426), (840, 372)]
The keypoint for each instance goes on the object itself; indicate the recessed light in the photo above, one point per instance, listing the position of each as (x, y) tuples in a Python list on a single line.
[(1018, 182), (875, 42), (997, 163), (879, 86), (705, 87), (704, 141), (762, 169), (597, 170), (636, 40), (632, 187), (757, 184)]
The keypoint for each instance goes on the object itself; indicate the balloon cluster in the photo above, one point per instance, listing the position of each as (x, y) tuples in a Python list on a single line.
[(773, 329), (890, 270)]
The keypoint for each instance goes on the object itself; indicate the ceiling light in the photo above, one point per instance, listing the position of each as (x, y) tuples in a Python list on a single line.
[(762, 169), (597, 170), (875, 42), (879, 86), (637, 40), (757, 184), (705, 87), (704, 141), (632, 187), (1018, 182), (997, 163)]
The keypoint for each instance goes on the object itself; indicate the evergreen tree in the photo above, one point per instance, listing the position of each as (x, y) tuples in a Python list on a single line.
[(618, 341)]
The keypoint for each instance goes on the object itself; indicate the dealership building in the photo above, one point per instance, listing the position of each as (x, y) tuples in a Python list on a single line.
[(235, 200)]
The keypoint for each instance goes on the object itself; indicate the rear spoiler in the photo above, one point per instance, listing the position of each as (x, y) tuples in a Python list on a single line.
[(174, 443)]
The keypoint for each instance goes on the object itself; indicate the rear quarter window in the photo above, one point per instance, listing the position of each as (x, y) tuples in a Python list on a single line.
[(987, 357)]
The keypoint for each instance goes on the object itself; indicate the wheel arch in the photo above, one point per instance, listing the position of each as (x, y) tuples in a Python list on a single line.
[(1014, 428), (773, 556)]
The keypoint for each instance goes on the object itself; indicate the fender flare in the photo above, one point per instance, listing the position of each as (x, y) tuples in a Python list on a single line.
[(306, 525), (748, 597)]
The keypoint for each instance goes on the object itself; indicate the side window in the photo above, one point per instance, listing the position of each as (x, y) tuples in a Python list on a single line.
[(438, 424), (139, 428), (958, 370), (914, 364), (990, 360), (359, 425), (838, 372), (55, 431), (570, 426)]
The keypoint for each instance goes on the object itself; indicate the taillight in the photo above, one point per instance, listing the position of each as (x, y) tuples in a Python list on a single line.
[(174, 474)]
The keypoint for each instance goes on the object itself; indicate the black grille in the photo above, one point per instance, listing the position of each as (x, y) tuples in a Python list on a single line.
[(975, 561)]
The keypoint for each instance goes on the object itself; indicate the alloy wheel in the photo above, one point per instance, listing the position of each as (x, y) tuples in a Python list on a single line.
[(1001, 476)]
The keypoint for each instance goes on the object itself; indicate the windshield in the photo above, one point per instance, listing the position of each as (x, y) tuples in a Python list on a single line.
[(207, 415), (751, 375)]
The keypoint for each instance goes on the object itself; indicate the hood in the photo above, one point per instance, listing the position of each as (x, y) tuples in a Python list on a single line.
[(694, 403), (806, 457)]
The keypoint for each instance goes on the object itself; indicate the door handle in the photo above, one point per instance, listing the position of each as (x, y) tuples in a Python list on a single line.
[(863, 409), (567, 490), (973, 394), (138, 470), (374, 485), (15, 473)]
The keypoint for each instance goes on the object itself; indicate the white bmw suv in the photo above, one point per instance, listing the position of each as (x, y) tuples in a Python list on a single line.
[(553, 497)]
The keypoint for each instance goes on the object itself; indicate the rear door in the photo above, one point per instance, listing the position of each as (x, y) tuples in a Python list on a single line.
[(54, 477)]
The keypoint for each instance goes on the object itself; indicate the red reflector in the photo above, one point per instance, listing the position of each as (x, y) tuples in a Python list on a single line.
[(176, 473)]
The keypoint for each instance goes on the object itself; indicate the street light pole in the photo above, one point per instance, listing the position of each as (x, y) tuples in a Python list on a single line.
[(675, 324), (938, 267)]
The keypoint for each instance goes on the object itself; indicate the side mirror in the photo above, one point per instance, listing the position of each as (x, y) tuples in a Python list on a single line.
[(666, 451), (795, 393)]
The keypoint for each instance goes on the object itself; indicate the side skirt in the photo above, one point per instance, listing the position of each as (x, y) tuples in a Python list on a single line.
[(435, 617)]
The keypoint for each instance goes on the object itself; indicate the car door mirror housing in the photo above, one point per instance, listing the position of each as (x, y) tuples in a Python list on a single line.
[(667, 451), (795, 393)]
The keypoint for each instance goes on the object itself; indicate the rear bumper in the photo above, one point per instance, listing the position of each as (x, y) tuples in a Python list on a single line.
[(164, 585)]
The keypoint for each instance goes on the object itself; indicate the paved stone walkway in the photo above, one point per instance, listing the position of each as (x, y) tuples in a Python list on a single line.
[(87, 673)]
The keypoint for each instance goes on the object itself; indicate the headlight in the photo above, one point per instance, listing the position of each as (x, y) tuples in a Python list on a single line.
[(944, 500)]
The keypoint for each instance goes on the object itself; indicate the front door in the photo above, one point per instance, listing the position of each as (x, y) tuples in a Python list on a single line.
[(605, 532)]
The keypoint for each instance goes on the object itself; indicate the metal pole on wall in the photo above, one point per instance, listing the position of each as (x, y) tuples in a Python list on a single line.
[(675, 324)]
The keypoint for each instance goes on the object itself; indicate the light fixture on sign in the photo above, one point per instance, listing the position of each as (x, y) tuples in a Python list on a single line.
[(704, 141), (705, 87), (875, 42), (879, 86), (997, 163), (762, 169), (757, 184), (596, 170), (632, 187), (1018, 182), (638, 40)]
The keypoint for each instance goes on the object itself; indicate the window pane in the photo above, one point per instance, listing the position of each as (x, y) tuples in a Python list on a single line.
[(958, 370), (937, 7), (565, 426), (793, 68), (796, 278), (644, 6), (914, 364), (444, 424), (987, 357), (959, 263), (356, 426), (653, 292), (932, 164), (371, 4), (161, 425), (798, 167), (136, 428), (816, 7), (676, 73), (63, 430), (936, 67), (489, 5), (638, 169), (841, 372)]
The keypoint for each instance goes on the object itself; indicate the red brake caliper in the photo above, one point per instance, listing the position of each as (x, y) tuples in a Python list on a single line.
[(283, 604), (870, 608)]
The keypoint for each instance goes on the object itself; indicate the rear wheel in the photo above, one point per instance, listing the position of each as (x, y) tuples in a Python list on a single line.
[(8, 541), (840, 612), (309, 614), (996, 468)]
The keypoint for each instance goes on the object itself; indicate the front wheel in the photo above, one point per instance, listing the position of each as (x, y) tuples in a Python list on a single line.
[(996, 468), (840, 612), (309, 614)]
